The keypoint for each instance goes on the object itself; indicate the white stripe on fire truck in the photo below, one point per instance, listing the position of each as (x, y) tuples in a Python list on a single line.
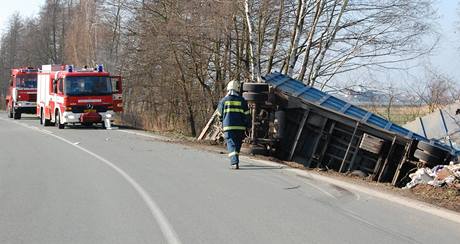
[(89, 100)]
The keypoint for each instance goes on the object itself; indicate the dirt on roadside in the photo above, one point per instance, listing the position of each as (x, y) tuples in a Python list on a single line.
[(446, 196)]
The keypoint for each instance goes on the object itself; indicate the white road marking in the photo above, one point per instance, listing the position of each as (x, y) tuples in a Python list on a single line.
[(161, 138), (166, 228)]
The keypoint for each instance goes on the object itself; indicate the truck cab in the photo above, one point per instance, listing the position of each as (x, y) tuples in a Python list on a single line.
[(21, 96), (86, 96)]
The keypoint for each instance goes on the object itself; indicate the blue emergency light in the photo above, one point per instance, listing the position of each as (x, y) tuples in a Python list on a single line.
[(100, 68), (70, 68)]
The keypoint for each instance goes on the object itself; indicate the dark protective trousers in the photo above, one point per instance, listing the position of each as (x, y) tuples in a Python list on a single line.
[(234, 140)]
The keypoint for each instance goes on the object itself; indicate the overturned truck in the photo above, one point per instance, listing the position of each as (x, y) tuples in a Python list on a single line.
[(300, 123)]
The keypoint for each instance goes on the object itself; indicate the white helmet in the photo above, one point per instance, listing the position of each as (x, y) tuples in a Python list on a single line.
[(233, 85)]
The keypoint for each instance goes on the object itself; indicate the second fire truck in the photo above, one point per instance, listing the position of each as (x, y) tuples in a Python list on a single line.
[(22, 92), (68, 95)]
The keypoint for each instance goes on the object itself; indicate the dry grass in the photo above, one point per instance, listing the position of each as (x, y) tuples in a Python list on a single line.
[(399, 114)]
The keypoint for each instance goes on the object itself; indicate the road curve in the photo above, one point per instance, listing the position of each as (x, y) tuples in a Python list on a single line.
[(84, 185)]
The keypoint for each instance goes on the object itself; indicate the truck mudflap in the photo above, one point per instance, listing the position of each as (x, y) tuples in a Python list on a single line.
[(92, 117)]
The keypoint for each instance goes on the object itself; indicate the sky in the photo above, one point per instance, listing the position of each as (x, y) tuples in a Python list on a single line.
[(445, 58), (26, 8)]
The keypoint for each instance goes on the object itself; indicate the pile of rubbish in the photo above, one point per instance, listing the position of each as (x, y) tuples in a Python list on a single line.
[(438, 176)]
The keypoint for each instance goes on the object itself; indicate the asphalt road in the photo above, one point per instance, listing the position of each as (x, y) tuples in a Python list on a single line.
[(83, 185)]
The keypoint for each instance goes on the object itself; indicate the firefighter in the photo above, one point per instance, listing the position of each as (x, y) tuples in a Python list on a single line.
[(233, 112)]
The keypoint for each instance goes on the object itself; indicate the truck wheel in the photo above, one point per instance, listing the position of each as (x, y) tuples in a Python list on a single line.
[(255, 97), (9, 111), (16, 115), (255, 87), (45, 122), (41, 116), (429, 159), (258, 150), (57, 120), (432, 149)]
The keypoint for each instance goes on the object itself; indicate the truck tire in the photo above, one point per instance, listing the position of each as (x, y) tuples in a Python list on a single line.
[(255, 87), (57, 120), (255, 97), (44, 121), (41, 115), (258, 150), (9, 111), (427, 158), (16, 115), (432, 149)]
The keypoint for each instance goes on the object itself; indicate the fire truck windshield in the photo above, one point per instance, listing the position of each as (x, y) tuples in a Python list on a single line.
[(88, 86), (26, 81)]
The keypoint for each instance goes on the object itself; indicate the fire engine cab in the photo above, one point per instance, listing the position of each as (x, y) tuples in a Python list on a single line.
[(22, 92), (68, 95)]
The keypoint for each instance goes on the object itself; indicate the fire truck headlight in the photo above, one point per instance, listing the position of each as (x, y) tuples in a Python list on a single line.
[(108, 116)]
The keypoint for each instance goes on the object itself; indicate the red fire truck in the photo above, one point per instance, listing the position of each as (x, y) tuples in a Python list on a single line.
[(68, 95), (22, 92)]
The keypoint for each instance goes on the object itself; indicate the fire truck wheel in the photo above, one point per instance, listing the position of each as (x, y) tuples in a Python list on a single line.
[(255, 87), (16, 115), (45, 122), (9, 111), (58, 121), (255, 97)]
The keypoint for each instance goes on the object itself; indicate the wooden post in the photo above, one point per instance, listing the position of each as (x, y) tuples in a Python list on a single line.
[(349, 146), (299, 133), (206, 128)]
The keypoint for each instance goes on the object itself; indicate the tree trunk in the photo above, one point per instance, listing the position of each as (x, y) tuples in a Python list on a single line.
[(298, 32), (319, 8), (275, 37), (315, 72), (254, 67)]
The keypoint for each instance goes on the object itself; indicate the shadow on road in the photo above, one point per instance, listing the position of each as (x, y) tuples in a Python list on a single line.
[(28, 118)]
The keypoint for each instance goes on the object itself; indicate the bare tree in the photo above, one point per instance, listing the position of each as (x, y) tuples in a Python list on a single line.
[(176, 56), (438, 90)]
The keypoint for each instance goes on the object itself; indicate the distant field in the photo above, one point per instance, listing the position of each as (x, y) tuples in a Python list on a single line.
[(399, 114)]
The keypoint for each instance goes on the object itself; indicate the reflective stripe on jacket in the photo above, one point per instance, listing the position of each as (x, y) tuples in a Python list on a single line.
[(234, 112)]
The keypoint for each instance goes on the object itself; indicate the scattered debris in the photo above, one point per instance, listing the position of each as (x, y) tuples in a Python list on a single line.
[(438, 176)]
